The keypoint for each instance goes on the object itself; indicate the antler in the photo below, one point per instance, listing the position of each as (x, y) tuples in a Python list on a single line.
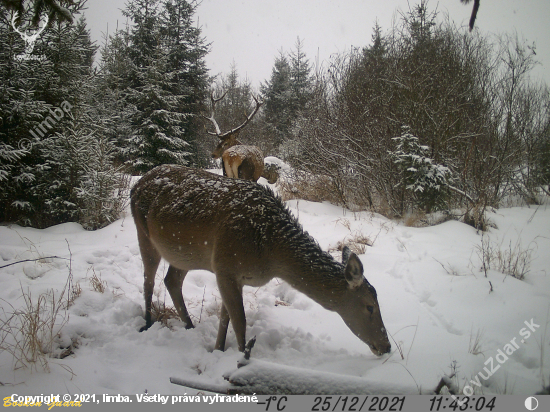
[(218, 132), (248, 119), (215, 100), (474, 12)]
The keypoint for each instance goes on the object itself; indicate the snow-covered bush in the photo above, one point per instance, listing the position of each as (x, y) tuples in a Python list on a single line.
[(427, 180)]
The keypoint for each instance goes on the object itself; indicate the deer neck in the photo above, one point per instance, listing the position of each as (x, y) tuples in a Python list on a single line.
[(234, 142), (314, 273)]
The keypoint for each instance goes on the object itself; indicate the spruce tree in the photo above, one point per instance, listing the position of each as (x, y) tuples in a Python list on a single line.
[(167, 81), (111, 105), (278, 98), (300, 79), (233, 109), (186, 51), (58, 10), (287, 92), (100, 193), (35, 91)]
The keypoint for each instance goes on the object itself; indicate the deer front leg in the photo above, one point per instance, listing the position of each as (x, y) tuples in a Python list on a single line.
[(231, 163), (222, 330), (232, 296), (174, 281), (227, 166)]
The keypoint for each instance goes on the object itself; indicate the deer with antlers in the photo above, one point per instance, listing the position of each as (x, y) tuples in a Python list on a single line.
[(239, 160)]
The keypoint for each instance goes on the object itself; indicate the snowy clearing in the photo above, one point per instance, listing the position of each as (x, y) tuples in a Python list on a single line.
[(443, 312)]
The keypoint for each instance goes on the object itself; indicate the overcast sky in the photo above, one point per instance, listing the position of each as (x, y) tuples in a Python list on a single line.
[(251, 32)]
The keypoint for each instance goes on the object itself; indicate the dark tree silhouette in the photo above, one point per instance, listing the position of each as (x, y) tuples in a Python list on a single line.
[(474, 12), (56, 9)]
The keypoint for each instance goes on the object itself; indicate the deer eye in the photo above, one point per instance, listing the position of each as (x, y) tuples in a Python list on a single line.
[(370, 308)]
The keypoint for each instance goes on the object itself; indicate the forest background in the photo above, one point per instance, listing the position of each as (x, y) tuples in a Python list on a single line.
[(427, 117)]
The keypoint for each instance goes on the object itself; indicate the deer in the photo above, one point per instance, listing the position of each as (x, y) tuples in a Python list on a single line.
[(239, 161), (245, 235)]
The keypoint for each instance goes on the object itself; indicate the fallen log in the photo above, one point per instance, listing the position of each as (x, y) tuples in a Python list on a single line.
[(257, 377), (267, 378), (202, 386)]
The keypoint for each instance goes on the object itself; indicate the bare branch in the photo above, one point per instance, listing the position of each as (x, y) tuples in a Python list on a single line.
[(32, 260)]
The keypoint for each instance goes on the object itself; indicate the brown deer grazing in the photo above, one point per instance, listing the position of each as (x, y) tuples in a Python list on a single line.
[(239, 161), (245, 235)]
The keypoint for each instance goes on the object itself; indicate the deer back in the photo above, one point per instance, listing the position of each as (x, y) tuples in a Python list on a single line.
[(199, 210), (246, 163)]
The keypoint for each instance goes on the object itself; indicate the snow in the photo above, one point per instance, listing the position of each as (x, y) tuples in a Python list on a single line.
[(269, 160), (434, 299)]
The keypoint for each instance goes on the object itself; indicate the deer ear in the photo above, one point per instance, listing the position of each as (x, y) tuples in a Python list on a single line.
[(354, 271), (346, 252)]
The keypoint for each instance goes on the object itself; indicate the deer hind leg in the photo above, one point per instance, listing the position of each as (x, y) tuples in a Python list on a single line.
[(174, 281), (151, 260), (246, 170), (232, 297)]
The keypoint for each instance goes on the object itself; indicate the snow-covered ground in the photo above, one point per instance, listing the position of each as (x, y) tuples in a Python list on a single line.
[(442, 311)]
